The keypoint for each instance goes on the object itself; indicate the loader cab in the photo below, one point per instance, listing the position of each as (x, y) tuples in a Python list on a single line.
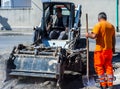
[(71, 19), (68, 13)]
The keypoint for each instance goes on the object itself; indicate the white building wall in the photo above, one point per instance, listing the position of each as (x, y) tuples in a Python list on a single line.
[(93, 7)]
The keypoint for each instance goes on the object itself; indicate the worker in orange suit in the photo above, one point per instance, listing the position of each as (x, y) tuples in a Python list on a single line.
[(104, 34)]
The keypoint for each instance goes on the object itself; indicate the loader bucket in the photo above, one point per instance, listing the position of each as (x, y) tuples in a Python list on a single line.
[(35, 66)]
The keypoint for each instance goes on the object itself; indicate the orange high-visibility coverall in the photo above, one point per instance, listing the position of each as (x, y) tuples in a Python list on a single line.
[(103, 52)]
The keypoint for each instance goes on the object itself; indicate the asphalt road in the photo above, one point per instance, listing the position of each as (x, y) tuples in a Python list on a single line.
[(7, 42)]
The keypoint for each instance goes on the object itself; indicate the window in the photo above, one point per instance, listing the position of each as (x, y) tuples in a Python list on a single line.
[(65, 11), (15, 3), (6, 3), (21, 3)]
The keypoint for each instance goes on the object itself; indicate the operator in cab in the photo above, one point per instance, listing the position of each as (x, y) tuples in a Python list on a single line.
[(55, 27)]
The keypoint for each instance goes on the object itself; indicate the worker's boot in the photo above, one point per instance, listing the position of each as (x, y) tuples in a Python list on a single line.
[(103, 87)]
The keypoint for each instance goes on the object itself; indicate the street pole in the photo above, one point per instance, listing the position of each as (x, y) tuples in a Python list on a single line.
[(117, 15)]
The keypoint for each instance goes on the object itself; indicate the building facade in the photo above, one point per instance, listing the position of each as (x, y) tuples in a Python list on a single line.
[(25, 14), (20, 14)]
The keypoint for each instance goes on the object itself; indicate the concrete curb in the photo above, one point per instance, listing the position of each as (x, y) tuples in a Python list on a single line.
[(5, 33)]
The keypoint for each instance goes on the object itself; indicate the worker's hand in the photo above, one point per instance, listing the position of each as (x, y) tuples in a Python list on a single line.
[(87, 34), (91, 35)]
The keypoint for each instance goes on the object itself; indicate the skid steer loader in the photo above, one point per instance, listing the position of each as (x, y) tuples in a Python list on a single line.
[(52, 58)]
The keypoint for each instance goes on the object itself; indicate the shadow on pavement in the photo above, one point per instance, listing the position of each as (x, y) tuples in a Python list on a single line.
[(72, 82)]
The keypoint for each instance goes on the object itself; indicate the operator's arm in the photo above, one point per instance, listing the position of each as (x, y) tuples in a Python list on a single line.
[(67, 23), (49, 26), (49, 23)]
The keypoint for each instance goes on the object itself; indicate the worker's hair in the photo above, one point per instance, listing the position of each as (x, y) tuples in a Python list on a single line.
[(58, 9), (102, 15)]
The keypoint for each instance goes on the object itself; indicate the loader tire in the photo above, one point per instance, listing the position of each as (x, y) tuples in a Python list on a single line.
[(91, 64)]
